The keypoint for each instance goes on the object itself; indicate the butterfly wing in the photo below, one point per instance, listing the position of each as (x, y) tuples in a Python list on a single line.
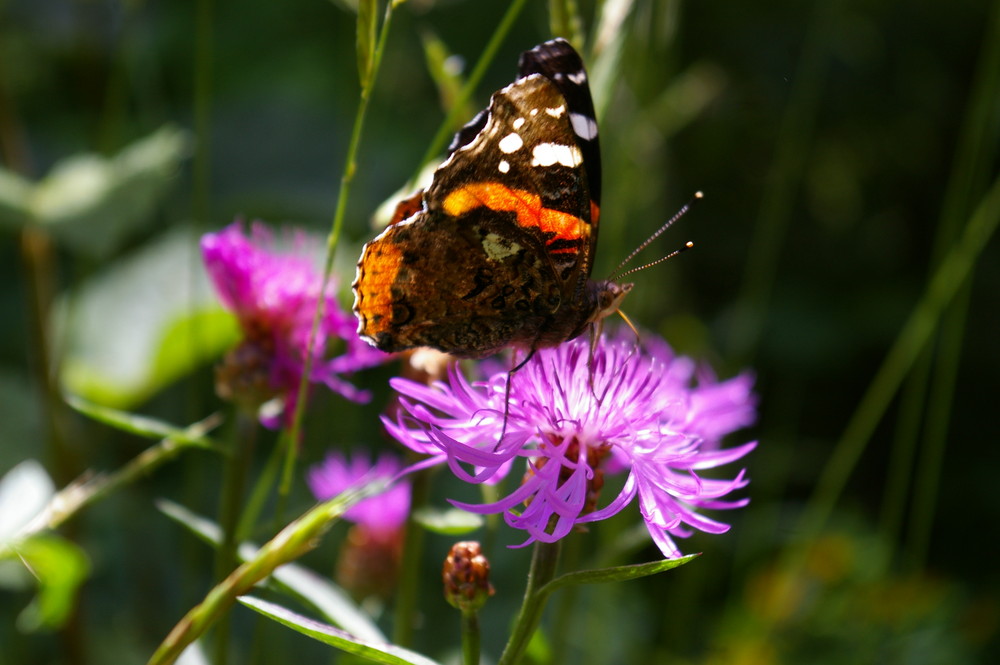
[(557, 61), (502, 247)]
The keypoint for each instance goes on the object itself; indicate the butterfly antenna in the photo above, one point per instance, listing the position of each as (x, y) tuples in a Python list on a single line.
[(688, 245), (617, 274)]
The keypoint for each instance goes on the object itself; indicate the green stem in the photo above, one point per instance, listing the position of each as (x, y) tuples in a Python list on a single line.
[(291, 437), (235, 474), (448, 127), (258, 496), (409, 575), (544, 561), (79, 494), (942, 394), (470, 637), (564, 610)]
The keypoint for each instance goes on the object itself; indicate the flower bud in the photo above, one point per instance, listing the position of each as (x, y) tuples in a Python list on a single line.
[(466, 577)]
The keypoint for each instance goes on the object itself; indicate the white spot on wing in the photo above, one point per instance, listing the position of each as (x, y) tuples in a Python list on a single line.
[(579, 77), (503, 166), (547, 154), (584, 127), (518, 123), (533, 112), (557, 111), (510, 143)]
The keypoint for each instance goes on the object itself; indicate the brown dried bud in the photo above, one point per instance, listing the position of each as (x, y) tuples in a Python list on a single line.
[(244, 375), (369, 562), (466, 577)]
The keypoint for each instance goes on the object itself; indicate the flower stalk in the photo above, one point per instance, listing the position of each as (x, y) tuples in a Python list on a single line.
[(235, 474), (544, 561), (290, 437)]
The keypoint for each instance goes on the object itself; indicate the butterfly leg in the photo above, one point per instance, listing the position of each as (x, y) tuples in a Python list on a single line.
[(506, 393)]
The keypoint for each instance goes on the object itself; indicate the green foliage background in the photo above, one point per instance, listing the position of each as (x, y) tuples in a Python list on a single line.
[(843, 147)]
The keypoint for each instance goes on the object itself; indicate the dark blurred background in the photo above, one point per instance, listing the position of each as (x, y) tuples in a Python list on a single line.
[(842, 147)]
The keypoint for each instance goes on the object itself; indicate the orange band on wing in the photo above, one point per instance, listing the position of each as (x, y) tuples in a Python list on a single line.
[(527, 206)]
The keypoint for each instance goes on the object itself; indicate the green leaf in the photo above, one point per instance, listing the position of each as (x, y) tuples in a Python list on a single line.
[(564, 20), (144, 426), (451, 522), (178, 354), (93, 204), (299, 536), (60, 567), (142, 323), (447, 76), (608, 48), (330, 600), (614, 574), (684, 100), (375, 651), (367, 24)]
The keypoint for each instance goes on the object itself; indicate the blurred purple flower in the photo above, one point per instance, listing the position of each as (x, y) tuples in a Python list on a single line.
[(372, 550), (637, 410), (274, 297), (385, 512)]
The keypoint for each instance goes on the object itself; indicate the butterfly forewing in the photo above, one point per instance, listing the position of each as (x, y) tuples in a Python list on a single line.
[(557, 61), (498, 250)]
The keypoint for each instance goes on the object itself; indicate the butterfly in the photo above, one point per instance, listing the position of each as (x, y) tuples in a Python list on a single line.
[(497, 251)]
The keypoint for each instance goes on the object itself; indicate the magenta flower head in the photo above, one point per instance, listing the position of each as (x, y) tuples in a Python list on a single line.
[(274, 297), (383, 512), (639, 411)]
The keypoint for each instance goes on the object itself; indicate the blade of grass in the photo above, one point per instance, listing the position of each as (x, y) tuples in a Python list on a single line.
[(373, 651), (489, 53), (300, 536), (913, 337), (973, 167)]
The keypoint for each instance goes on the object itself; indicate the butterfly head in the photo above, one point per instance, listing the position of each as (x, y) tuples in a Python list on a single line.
[(608, 296)]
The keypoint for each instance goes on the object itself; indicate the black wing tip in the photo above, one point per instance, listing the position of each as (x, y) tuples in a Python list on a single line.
[(532, 60)]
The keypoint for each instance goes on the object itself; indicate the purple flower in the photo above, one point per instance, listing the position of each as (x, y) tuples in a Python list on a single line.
[(372, 550), (383, 512), (641, 411), (274, 296)]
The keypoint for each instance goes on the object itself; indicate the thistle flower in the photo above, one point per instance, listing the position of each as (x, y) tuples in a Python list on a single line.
[(383, 512), (274, 297), (370, 557), (640, 411)]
